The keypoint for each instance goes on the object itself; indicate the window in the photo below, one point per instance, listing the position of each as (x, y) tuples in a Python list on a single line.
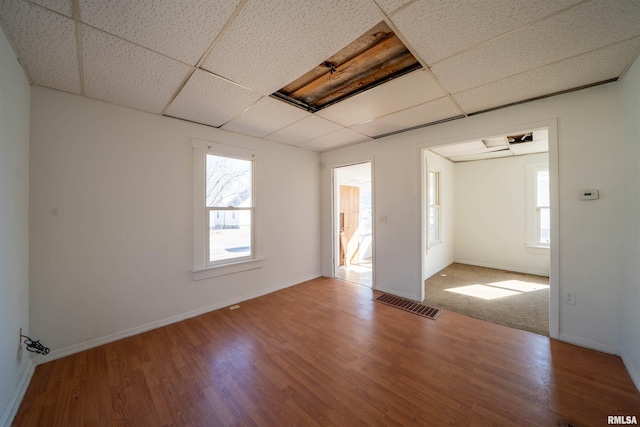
[(543, 212), (538, 205), (224, 209), (434, 207), (229, 191)]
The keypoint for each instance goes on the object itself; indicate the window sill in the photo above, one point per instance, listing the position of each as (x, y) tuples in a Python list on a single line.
[(537, 249), (434, 246), (224, 269)]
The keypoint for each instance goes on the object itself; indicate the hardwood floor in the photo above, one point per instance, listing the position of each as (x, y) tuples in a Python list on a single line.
[(324, 353)]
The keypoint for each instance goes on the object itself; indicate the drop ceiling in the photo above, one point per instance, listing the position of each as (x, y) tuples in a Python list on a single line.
[(518, 144), (217, 62)]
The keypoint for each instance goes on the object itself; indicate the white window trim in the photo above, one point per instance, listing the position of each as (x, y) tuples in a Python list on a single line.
[(438, 241), (532, 243), (201, 269)]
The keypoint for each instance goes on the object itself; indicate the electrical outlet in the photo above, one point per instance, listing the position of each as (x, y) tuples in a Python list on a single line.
[(570, 298)]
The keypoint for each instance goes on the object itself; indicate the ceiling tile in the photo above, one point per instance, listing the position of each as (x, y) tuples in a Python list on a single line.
[(581, 29), (438, 29), (407, 91), (126, 74), (211, 100), (463, 148), (530, 147), (430, 112), (389, 6), (481, 156), (585, 69), (45, 42), (264, 117), (60, 6), (334, 140), (271, 43), (181, 29), (304, 130)]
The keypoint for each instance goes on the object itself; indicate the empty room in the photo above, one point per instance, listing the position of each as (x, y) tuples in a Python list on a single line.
[(169, 222)]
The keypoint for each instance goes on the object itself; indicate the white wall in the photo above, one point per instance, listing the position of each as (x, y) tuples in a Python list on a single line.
[(440, 255), (491, 216), (589, 156), (630, 251), (15, 368), (111, 221)]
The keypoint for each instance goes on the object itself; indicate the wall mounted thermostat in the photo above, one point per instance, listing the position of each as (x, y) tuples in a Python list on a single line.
[(588, 195)]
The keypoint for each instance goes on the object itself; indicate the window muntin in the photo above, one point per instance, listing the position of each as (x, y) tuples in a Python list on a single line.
[(229, 205), (434, 196)]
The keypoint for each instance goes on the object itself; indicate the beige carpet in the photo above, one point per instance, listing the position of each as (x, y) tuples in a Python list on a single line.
[(516, 300)]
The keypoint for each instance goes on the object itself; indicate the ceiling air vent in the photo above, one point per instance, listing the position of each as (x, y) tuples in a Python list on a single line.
[(375, 57)]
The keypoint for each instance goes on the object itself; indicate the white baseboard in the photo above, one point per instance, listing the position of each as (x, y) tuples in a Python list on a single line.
[(633, 372), (441, 267), (86, 345), (12, 407), (396, 293), (589, 344), (502, 267)]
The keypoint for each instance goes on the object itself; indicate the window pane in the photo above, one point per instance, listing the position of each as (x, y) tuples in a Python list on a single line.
[(229, 182), (229, 234), (432, 188), (434, 213), (542, 188), (544, 225)]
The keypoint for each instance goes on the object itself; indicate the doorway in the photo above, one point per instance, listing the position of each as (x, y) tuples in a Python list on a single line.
[(504, 206), (353, 224)]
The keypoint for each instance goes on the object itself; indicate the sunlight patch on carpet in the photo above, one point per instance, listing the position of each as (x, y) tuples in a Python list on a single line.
[(483, 291), (519, 285)]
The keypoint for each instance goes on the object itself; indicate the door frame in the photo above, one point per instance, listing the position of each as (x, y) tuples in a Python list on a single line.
[(335, 219), (554, 257)]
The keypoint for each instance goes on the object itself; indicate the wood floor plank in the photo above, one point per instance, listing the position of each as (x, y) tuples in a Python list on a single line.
[(324, 353)]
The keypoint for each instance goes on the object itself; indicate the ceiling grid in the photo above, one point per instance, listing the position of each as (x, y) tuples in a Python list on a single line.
[(217, 62)]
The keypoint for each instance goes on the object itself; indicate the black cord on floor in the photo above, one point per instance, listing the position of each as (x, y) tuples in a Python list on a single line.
[(34, 346)]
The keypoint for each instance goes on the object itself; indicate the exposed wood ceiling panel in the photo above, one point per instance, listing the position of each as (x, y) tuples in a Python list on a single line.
[(270, 44), (123, 73), (373, 58), (216, 62), (211, 100), (181, 29), (46, 44)]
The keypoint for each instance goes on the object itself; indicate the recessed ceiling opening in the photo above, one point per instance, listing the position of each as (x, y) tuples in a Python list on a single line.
[(373, 58), (522, 143)]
